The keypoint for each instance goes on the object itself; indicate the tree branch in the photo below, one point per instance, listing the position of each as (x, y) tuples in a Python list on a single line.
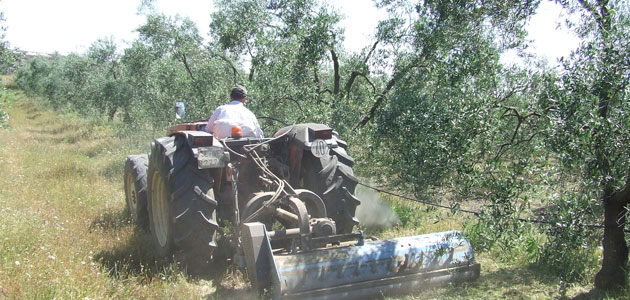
[(520, 119), (622, 196), (367, 57), (252, 68), (316, 80), (185, 61), (192, 77), (337, 77), (353, 76), (380, 98), (230, 64), (600, 16)]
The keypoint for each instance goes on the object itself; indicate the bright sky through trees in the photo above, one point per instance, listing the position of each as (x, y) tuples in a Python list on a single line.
[(72, 25)]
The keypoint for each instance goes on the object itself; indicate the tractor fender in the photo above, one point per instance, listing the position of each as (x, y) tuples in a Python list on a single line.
[(196, 140), (301, 138), (303, 135)]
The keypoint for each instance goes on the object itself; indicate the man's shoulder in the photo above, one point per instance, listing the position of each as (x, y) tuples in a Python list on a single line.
[(223, 107), (249, 112)]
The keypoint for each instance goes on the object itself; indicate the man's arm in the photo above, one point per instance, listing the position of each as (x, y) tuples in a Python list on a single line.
[(213, 118), (259, 132), (252, 118)]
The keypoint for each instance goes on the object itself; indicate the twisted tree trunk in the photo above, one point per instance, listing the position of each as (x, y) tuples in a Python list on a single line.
[(613, 273)]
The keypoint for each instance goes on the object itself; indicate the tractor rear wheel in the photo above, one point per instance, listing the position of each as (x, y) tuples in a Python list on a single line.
[(331, 177), (136, 189), (182, 223)]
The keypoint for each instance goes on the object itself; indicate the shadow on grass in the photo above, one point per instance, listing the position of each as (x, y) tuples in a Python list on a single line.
[(57, 135), (135, 259), (602, 294), (33, 115), (519, 282), (512, 282), (138, 260)]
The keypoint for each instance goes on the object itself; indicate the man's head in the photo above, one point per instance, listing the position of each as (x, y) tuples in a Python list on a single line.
[(238, 93)]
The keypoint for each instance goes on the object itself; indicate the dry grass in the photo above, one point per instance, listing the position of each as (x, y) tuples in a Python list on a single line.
[(8, 81), (65, 234)]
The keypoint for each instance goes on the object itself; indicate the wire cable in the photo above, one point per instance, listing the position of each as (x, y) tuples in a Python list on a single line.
[(476, 213)]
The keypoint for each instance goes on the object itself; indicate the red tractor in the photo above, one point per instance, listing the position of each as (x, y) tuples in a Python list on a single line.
[(283, 207)]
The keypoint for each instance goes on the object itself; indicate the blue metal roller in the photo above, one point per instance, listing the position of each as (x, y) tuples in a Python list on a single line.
[(353, 271)]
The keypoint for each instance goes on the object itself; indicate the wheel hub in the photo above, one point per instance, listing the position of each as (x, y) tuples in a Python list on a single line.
[(160, 210), (132, 197)]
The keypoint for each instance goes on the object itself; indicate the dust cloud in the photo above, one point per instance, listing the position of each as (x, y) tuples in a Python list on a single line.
[(374, 212)]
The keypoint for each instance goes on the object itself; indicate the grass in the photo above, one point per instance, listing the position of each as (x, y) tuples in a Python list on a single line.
[(64, 230), (65, 233), (8, 81)]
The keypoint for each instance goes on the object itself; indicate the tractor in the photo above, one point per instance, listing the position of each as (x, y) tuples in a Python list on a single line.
[(283, 208)]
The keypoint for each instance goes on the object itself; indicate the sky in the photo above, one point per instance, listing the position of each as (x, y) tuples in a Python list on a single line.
[(67, 26)]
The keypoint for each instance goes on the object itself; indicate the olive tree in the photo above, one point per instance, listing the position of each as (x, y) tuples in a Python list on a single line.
[(592, 123), (104, 85), (7, 56), (289, 46), (170, 59)]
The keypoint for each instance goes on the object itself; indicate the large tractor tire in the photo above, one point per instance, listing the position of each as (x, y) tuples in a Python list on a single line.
[(182, 223), (136, 189), (331, 177)]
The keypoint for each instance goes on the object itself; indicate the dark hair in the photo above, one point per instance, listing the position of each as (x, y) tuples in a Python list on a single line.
[(238, 92)]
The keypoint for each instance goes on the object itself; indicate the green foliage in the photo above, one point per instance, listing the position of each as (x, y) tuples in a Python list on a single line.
[(453, 102), (570, 250), (138, 85), (7, 56), (523, 244), (289, 46), (31, 75), (426, 105), (590, 124), (5, 100)]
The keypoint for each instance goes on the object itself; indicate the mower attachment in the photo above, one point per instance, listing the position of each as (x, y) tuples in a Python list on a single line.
[(391, 266)]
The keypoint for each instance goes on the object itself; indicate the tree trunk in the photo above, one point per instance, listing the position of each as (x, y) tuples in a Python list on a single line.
[(112, 113), (337, 77), (613, 273)]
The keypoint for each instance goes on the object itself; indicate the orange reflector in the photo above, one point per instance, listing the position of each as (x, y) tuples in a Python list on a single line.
[(237, 132)]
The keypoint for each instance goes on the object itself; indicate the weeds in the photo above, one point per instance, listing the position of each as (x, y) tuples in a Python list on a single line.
[(6, 98)]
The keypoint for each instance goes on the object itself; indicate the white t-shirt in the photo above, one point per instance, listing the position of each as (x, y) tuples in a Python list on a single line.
[(228, 115)]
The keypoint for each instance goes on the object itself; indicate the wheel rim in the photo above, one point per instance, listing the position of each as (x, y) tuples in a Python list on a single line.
[(159, 207), (132, 197)]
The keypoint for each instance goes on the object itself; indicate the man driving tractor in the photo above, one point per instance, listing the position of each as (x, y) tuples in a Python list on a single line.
[(227, 119)]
